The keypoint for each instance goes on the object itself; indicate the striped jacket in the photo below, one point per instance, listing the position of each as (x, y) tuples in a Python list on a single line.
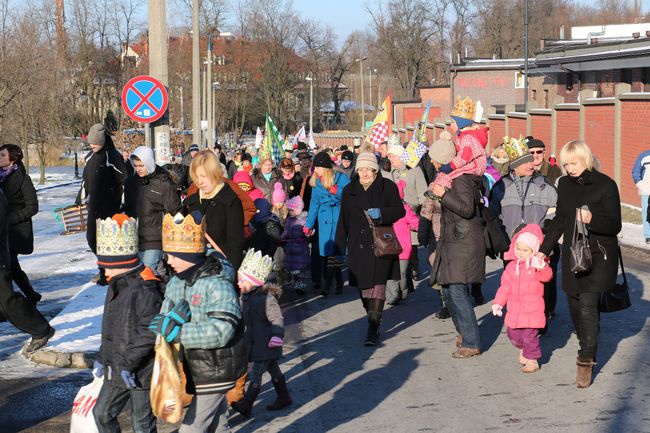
[(214, 351)]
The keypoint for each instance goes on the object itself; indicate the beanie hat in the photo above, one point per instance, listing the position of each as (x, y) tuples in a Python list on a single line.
[(442, 150), (322, 159), (145, 154), (461, 122), (193, 147), (396, 149), (534, 142), (243, 177), (263, 210), (517, 150), (97, 135), (278, 196), (117, 242), (347, 156), (296, 204), (367, 160)]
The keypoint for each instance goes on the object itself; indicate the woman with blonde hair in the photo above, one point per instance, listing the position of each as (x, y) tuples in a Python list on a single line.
[(589, 202), (221, 207), (325, 205)]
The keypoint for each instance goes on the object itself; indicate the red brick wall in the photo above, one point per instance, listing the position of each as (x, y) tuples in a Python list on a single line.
[(517, 127), (431, 135), (411, 116), (440, 98), (540, 128), (496, 133), (495, 87), (568, 128), (635, 138), (599, 135)]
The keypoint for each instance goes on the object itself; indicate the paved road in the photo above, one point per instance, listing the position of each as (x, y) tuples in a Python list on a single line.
[(410, 383)]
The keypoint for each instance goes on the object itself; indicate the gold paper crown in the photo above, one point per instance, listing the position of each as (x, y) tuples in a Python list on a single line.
[(256, 265), (117, 236), (394, 140), (182, 235), (515, 148), (464, 108)]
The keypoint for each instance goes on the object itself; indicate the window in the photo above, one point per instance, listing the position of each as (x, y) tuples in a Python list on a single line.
[(646, 79), (519, 80), (545, 102)]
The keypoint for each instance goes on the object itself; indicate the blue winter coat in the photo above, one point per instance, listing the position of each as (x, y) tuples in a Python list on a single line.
[(326, 207)]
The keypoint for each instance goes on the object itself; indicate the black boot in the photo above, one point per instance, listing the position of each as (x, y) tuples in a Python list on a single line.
[(364, 302), (477, 294), (245, 405), (375, 309), (329, 278), (443, 313), (283, 399)]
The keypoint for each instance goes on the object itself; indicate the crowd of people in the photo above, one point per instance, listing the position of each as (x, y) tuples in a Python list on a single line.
[(199, 252)]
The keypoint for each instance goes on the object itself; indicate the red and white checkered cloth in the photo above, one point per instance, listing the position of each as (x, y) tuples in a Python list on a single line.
[(379, 134)]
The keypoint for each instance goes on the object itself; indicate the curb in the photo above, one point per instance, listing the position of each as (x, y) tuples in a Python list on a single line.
[(80, 360)]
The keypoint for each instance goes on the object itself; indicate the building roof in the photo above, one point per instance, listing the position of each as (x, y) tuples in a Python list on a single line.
[(611, 55), (492, 64)]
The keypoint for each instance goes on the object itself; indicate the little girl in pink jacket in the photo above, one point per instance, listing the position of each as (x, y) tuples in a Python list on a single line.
[(522, 289)]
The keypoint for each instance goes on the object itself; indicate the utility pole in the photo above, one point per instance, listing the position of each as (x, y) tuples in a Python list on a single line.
[(182, 110), (205, 102), (159, 130), (370, 87), (196, 75), (208, 80), (526, 56), (363, 108), (310, 78)]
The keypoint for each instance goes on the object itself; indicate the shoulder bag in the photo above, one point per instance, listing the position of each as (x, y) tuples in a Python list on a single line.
[(384, 239), (618, 298)]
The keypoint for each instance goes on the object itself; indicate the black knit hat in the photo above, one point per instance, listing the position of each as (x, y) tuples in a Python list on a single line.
[(534, 142), (322, 159), (347, 155)]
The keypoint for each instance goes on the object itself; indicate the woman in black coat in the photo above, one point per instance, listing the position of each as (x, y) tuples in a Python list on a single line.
[(223, 211), (460, 254), (593, 196), (379, 197), (23, 205)]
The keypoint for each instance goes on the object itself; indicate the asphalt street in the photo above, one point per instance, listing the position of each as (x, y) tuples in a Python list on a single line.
[(410, 383)]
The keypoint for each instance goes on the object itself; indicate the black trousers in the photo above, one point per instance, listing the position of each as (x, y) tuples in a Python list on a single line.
[(550, 288), (91, 230), (585, 316), (317, 263), (20, 277), (20, 313)]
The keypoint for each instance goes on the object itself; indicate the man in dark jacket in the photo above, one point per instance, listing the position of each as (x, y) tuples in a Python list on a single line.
[(23, 205), (18, 311), (126, 355), (148, 196), (103, 178)]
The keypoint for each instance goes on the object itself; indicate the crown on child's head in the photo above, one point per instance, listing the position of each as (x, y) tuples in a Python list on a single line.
[(464, 108), (255, 267), (183, 234), (117, 242)]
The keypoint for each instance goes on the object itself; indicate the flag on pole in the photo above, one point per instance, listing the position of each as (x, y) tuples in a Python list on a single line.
[(259, 137), (420, 131), (417, 147), (385, 115), (312, 143), (272, 141), (301, 135)]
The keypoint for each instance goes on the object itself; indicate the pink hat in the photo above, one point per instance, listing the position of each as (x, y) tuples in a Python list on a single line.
[(278, 196), (295, 204)]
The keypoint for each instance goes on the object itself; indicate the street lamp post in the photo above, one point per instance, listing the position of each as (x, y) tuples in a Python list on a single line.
[(310, 78), (370, 87), (363, 108)]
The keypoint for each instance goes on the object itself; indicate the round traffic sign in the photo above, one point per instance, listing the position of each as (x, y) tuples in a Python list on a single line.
[(144, 99)]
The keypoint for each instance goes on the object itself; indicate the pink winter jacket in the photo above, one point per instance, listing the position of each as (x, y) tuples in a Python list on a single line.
[(523, 293), (403, 228)]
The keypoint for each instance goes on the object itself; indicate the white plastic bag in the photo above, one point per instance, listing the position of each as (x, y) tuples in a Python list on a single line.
[(82, 420)]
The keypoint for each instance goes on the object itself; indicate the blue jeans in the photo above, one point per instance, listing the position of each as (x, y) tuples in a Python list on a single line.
[(644, 216), (150, 258), (111, 401), (459, 303)]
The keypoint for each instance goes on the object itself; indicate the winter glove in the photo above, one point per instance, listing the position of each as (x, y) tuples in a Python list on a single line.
[(333, 189), (497, 310), (165, 326), (129, 379), (180, 313), (374, 213), (98, 370), (276, 342), (537, 263), (308, 232), (446, 168)]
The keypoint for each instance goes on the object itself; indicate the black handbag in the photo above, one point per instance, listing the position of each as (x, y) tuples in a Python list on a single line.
[(618, 298), (580, 261), (384, 240)]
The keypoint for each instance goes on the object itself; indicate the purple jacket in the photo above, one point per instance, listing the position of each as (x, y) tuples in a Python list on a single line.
[(295, 244)]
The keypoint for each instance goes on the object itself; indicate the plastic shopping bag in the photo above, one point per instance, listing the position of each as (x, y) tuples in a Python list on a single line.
[(168, 397), (82, 420)]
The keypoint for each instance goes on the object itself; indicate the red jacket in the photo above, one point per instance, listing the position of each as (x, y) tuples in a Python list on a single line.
[(523, 293)]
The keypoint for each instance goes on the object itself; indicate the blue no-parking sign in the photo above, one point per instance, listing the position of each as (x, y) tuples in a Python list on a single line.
[(144, 99)]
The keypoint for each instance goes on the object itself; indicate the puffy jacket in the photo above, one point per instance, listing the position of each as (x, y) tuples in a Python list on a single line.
[(326, 207), (23, 205), (266, 186), (132, 300), (403, 229), (523, 291), (291, 186), (641, 173), (148, 198), (263, 319), (295, 244), (5, 260), (214, 350)]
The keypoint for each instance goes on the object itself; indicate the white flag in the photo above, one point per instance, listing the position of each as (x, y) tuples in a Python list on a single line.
[(312, 143), (258, 138), (301, 135)]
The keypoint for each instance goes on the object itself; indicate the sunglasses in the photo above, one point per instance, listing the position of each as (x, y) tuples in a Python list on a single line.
[(536, 152)]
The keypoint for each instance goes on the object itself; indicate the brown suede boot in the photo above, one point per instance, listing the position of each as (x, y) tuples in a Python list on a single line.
[(585, 369)]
